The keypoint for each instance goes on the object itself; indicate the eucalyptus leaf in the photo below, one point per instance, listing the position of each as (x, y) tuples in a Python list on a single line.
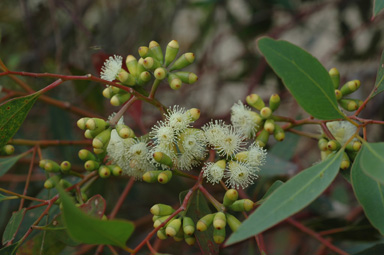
[(379, 84), (13, 226), (7, 162), (289, 198), (304, 77), (372, 160), (377, 7)]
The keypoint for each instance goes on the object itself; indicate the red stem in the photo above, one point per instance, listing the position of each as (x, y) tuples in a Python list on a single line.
[(28, 177)]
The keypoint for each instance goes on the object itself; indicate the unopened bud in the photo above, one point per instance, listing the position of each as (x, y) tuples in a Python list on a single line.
[(51, 166), (171, 52), (108, 93), (174, 82), (156, 51), (233, 222), (126, 78), (350, 87), (323, 144), (279, 133), (335, 77), (162, 158), (219, 220), (188, 225), (345, 162), (195, 113), (150, 63), (161, 210), (51, 182), (161, 234), (255, 101), (230, 196), (219, 235), (269, 125), (86, 155), (65, 166), (91, 165), (143, 51), (242, 205), (265, 112), (102, 139), (348, 104), (145, 76), (333, 145), (124, 131), (95, 123), (262, 138), (338, 94), (164, 177), (81, 123), (131, 63), (205, 222), (151, 176), (104, 172), (120, 98), (354, 146), (160, 73), (116, 170), (187, 77), (8, 149), (274, 102), (189, 239), (184, 60), (173, 227)]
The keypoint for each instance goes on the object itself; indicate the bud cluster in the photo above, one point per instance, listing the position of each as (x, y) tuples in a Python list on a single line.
[(93, 163), (58, 170)]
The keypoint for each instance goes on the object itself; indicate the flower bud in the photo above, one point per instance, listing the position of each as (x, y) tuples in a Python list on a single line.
[(354, 146), (126, 78), (161, 234), (150, 63), (189, 239), (8, 149), (188, 225), (269, 125), (140, 66), (160, 220), (64, 183), (338, 94), (255, 101), (265, 112), (51, 182), (145, 76), (219, 220), (174, 82), (187, 77), (95, 123), (65, 166), (151, 176), (230, 196), (205, 222), (171, 52), (116, 170), (179, 235), (323, 144), (219, 235), (195, 113), (143, 51), (124, 131), (161, 210), (91, 165), (335, 77), (51, 166), (274, 102), (348, 104), (156, 51), (162, 158), (233, 222), (131, 63), (242, 205), (120, 98), (98, 151), (102, 139), (173, 227), (90, 134), (262, 138), (279, 133), (333, 145), (81, 123), (86, 155), (104, 172), (160, 73), (108, 92), (184, 60), (42, 163), (345, 162), (350, 87), (164, 177)]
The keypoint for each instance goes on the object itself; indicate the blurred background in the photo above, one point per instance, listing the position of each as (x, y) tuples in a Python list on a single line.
[(75, 37)]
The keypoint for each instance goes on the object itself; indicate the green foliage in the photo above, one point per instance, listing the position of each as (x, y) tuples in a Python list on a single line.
[(372, 160), (7, 162), (13, 226), (304, 76), (377, 7), (379, 84)]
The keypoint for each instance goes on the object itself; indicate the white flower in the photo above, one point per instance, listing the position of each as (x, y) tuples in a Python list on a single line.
[(118, 150), (214, 172), (342, 130), (178, 118), (163, 134), (244, 119), (192, 146), (214, 131), (239, 174), (139, 163), (256, 155), (111, 68)]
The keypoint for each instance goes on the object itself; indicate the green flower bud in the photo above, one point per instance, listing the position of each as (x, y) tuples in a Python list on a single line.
[(51, 182), (124, 131), (179, 235), (151, 176), (255, 101), (156, 51), (64, 183), (348, 104), (108, 92), (205, 222), (354, 146), (86, 155), (140, 66), (265, 112), (338, 94), (188, 225), (230, 196), (333, 145), (51, 166), (95, 123), (143, 51), (126, 78), (145, 76), (104, 172), (219, 235), (155, 217), (42, 163), (242, 205), (161, 234), (65, 166), (279, 133), (163, 158), (161, 210), (171, 52), (345, 162), (164, 177), (81, 123), (274, 102), (323, 144), (183, 61), (335, 77), (160, 73), (160, 220), (233, 222), (262, 138), (8, 149), (120, 99), (219, 220), (187, 77), (102, 139), (116, 170), (269, 125), (190, 240), (173, 227), (174, 82), (195, 113), (98, 151), (150, 63), (91, 165), (90, 134), (131, 63), (350, 87)]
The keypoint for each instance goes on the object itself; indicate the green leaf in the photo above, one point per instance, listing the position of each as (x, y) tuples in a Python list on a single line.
[(369, 192), (13, 226), (13, 113), (289, 198), (374, 250), (379, 84), (276, 166), (2, 197), (304, 76), (271, 189), (372, 160), (7, 162), (9, 250), (91, 230), (377, 7)]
